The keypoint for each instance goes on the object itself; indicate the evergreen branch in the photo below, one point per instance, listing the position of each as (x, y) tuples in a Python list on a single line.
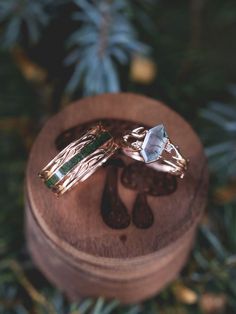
[(35, 295), (220, 138), (15, 14), (106, 37)]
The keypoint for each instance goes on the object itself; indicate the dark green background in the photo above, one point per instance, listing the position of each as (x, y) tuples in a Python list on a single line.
[(194, 52)]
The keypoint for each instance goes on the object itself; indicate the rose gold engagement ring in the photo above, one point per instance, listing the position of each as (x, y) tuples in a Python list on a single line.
[(154, 147)]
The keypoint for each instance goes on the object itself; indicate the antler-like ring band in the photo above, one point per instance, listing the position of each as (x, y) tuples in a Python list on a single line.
[(154, 147), (79, 160)]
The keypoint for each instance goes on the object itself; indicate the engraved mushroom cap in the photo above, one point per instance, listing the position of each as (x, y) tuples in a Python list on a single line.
[(137, 176), (154, 143)]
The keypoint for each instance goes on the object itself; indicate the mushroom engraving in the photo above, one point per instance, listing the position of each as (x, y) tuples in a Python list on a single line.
[(113, 210), (146, 181), (136, 176)]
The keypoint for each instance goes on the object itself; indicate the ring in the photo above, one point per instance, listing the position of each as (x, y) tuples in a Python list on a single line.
[(154, 147), (79, 160)]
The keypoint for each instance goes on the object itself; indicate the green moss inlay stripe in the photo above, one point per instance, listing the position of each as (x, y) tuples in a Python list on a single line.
[(53, 180), (83, 153)]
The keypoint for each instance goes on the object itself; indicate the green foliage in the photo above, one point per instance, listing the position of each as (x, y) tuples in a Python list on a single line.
[(105, 35), (17, 14), (100, 306), (104, 38), (220, 136), (195, 56)]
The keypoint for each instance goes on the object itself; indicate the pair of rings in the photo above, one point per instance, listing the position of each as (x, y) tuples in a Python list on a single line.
[(83, 157)]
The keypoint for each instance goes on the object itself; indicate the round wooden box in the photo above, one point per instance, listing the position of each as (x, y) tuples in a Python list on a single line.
[(126, 231)]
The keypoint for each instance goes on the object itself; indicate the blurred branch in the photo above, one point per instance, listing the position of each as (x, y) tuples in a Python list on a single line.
[(34, 294), (105, 37), (220, 137), (14, 14)]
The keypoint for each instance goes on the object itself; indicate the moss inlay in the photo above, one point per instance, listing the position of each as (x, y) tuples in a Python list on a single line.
[(83, 153)]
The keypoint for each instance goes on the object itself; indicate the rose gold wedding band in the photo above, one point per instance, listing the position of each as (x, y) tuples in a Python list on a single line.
[(79, 160)]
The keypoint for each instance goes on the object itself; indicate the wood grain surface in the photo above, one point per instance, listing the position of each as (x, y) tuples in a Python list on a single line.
[(76, 240)]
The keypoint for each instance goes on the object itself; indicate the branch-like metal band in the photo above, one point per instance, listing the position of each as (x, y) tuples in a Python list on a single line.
[(170, 160), (79, 160)]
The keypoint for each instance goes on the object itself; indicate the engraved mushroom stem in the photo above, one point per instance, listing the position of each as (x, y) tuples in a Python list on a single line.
[(113, 210)]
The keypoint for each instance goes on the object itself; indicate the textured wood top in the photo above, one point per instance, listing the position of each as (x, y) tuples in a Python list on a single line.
[(80, 222)]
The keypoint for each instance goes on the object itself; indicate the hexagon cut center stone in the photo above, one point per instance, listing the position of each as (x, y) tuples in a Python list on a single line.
[(154, 143)]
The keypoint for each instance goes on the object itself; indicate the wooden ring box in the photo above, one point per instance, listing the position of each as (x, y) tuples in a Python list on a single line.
[(126, 231)]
